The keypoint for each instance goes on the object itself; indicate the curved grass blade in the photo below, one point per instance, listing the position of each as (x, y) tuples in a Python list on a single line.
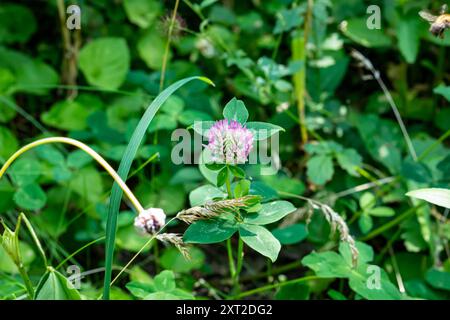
[(124, 169)]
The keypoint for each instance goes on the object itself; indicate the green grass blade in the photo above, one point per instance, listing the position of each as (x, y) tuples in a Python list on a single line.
[(124, 169)]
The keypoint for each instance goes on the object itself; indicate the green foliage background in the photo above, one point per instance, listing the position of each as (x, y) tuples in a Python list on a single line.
[(247, 49)]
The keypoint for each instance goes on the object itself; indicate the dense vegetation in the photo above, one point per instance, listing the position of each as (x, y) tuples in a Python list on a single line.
[(358, 101)]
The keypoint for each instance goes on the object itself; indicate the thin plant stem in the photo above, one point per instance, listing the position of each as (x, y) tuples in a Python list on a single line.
[(376, 75), (365, 186), (167, 48), (398, 276), (274, 271), (275, 286), (137, 205), (140, 251), (228, 184), (277, 46), (240, 258), (298, 45), (391, 223), (26, 280), (23, 113), (231, 263), (78, 251), (427, 151)]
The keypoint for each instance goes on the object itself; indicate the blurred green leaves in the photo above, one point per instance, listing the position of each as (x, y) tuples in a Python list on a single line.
[(105, 62)]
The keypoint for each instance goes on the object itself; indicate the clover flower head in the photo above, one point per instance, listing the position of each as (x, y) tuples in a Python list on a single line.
[(230, 142), (150, 220)]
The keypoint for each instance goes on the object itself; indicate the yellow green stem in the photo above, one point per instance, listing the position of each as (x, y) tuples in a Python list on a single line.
[(137, 205)]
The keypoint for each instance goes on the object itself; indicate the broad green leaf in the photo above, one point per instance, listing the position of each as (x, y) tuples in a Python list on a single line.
[(87, 182), (369, 281), (237, 172), (173, 106), (320, 169), (323, 148), (416, 171), (189, 117), (54, 286), (129, 239), (367, 201), (382, 139), (235, 110), (282, 183), (66, 115), (25, 171), (51, 154), (11, 288), (382, 212), (170, 198), (17, 23), (30, 197), (261, 240), (327, 264), (205, 193), (443, 91), (292, 234), (437, 196), (187, 175), (408, 34), (151, 48), (165, 281), (262, 189), (365, 282), (202, 127), (105, 62), (139, 289), (142, 12), (6, 112), (241, 188), (349, 160), (162, 122), (70, 114), (210, 231), (336, 295), (419, 289), (287, 19), (270, 212), (295, 291), (8, 144), (32, 75), (263, 130), (78, 159), (356, 29), (176, 294), (7, 264), (206, 158), (365, 255), (174, 260), (222, 177), (438, 279), (365, 223)]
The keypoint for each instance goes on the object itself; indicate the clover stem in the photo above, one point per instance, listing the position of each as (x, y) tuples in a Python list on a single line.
[(137, 205), (228, 184), (240, 258), (26, 280), (231, 259)]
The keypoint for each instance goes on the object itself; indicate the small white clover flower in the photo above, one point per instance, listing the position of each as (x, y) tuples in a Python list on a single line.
[(150, 220), (230, 142)]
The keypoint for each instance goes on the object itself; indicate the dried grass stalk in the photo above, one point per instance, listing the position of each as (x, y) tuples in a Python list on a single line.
[(336, 223), (177, 241), (214, 209)]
